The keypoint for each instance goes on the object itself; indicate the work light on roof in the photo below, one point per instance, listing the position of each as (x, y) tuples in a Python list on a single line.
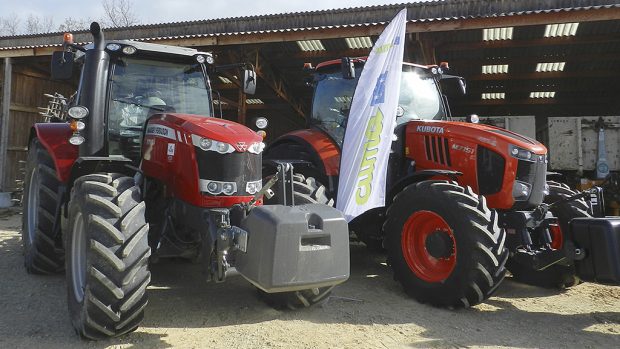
[(113, 47), (129, 50)]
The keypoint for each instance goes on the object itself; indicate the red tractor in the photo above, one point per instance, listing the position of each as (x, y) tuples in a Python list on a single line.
[(141, 169), (464, 200)]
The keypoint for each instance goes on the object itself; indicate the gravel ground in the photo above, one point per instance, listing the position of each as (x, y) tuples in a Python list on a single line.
[(368, 311)]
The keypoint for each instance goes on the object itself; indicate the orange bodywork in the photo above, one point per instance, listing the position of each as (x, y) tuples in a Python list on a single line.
[(453, 146)]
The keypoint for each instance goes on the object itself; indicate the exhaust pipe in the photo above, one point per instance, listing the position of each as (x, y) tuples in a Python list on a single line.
[(98, 39)]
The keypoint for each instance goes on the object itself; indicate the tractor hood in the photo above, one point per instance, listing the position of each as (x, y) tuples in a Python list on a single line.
[(477, 133), (220, 130)]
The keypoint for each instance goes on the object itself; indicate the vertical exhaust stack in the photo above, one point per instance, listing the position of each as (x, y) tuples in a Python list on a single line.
[(93, 95), (97, 33)]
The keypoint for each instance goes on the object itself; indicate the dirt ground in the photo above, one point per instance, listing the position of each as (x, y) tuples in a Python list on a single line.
[(368, 311)]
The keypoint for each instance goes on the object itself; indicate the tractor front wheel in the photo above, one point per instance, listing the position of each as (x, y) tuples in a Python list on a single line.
[(107, 256), (444, 244), (43, 252)]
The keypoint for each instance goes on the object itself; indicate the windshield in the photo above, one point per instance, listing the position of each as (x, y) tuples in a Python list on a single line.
[(140, 88), (419, 99)]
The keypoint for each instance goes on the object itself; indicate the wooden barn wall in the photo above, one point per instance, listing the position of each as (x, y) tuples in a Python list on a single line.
[(28, 87)]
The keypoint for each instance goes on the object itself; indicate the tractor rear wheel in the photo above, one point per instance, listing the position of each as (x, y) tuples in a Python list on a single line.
[(444, 244), (557, 275), (305, 191), (43, 253), (107, 256)]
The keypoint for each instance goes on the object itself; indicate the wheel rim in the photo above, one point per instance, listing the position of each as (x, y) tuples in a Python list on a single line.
[(33, 204), (78, 257), (421, 227)]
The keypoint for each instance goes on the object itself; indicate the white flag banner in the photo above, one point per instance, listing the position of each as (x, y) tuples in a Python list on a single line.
[(370, 127)]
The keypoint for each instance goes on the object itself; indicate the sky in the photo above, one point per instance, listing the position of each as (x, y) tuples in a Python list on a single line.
[(161, 11)]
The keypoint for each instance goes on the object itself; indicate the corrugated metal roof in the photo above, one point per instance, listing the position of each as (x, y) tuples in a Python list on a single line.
[(314, 20)]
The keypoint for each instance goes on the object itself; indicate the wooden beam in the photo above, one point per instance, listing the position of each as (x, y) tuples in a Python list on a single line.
[(278, 84), (463, 61), (556, 41), (544, 76), (241, 107), (350, 30), (4, 121)]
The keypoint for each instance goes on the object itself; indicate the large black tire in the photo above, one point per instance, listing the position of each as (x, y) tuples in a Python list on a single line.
[(558, 275), (468, 261), (107, 256), (43, 253), (305, 191)]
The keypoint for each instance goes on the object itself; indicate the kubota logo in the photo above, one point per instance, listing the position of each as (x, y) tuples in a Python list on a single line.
[(372, 137), (430, 129)]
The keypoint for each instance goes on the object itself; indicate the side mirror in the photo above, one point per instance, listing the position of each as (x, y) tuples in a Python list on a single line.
[(62, 65), (249, 81), (463, 86), (347, 67)]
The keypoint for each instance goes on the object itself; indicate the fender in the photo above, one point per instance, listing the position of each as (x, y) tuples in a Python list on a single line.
[(323, 148), (55, 139), (416, 177)]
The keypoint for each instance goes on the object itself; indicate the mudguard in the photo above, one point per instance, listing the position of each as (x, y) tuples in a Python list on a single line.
[(55, 138)]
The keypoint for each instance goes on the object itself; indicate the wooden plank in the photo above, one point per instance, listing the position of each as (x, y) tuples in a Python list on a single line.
[(4, 121), (24, 108)]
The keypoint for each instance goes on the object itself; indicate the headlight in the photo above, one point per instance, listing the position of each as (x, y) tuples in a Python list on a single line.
[(261, 123), (253, 187), (256, 148), (78, 112), (207, 144), (217, 188), (521, 191), (76, 139), (521, 153)]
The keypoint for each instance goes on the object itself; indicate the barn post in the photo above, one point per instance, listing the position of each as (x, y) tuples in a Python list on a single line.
[(5, 103)]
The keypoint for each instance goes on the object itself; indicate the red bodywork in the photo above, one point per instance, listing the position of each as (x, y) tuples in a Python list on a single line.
[(55, 138), (171, 158)]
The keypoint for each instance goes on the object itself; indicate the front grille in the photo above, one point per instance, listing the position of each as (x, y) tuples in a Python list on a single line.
[(437, 150), (490, 171), (534, 174), (233, 167)]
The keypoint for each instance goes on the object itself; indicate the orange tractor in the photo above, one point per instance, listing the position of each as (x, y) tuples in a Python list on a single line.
[(464, 201)]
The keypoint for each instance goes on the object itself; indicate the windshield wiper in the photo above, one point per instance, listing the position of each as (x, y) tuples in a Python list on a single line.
[(156, 107)]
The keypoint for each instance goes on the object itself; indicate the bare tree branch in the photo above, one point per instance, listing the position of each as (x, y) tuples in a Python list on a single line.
[(35, 24), (119, 13), (9, 25), (73, 24)]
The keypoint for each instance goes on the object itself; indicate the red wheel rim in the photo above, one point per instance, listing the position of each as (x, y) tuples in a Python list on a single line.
[(557, 238), (416, 230)]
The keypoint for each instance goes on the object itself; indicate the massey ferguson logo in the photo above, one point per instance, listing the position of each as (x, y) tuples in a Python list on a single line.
[(242, 146), (430, 129)]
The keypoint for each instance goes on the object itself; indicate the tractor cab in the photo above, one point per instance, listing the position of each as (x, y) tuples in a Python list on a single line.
[(123, 83), (420, 95)]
